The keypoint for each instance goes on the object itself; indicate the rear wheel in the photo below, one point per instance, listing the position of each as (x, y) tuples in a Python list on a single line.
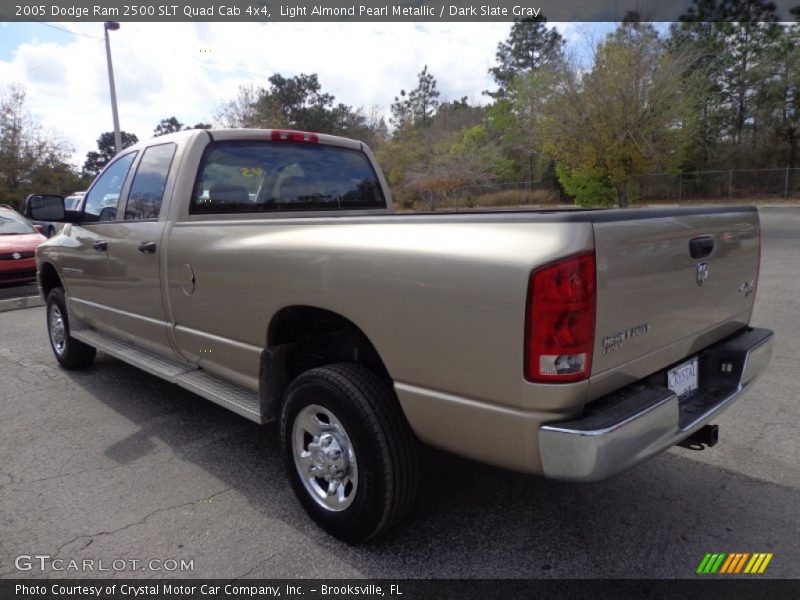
[(69, 352), (350, 454)]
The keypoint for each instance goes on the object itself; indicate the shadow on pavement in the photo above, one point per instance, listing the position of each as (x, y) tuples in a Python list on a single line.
[(657, 520)]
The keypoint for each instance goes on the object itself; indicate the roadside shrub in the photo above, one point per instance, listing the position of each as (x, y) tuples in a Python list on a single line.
[(514, 198), (589, 187)]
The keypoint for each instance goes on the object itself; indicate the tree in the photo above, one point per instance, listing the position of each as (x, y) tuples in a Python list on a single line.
[(529, 47), (734, 42), (96, 161), (299, 103), (289, 102), (30, 159), (629, 115), (169, 125), (418, 106), (778, 101), (240, 110)]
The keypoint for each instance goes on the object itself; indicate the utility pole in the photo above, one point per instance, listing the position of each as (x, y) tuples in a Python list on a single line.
[(113, 26)]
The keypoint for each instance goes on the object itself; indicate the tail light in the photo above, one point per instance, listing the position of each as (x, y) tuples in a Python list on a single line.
[(559, 324), (294, 136)]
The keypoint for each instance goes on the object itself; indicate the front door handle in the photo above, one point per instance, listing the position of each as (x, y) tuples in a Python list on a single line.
[(100, 245), (147, 247), (702, 246)]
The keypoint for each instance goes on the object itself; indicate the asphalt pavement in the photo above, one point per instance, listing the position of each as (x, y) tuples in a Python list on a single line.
[(18, 290), (112, 463)]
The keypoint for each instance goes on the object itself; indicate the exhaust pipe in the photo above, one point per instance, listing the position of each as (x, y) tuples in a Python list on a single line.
[(705, 437)]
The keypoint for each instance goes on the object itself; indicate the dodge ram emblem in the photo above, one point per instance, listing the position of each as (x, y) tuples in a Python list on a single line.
[(702, 273)]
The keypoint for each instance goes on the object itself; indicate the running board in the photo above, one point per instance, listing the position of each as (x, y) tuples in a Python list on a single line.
[(239, 399)]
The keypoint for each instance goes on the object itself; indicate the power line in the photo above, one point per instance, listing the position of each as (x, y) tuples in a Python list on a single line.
[(91, 37), (44, 64)]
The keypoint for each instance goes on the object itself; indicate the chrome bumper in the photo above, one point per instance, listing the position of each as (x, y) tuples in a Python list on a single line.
[(627, 427)]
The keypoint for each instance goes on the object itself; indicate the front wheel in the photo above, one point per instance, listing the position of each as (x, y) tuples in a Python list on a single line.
[(69, 352), (350, 454)]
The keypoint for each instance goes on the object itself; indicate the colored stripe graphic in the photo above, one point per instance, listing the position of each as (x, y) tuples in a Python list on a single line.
[(754, 563), (703, 563), (741, 562), (765, 563), (734, 562), (728, 562), (718, 564)]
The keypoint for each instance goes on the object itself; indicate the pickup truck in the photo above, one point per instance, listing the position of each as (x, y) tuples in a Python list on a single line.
[(265, 271)]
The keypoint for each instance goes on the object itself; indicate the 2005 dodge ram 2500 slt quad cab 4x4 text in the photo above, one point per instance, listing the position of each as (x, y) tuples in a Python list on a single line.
[(264, 270)]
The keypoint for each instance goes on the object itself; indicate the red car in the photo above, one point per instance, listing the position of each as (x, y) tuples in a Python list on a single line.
[(18, 243)]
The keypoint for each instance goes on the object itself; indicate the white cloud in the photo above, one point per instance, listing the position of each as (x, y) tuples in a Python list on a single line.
[(187, 70)]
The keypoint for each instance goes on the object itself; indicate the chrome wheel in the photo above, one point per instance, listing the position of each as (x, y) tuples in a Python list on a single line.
[(57, 330), (324, 458)]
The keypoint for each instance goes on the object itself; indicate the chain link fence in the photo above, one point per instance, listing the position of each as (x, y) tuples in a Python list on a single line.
[(778, 184), (734, 184), (515, 194)]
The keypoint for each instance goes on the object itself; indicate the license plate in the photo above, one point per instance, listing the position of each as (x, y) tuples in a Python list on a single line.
[(683, 379)]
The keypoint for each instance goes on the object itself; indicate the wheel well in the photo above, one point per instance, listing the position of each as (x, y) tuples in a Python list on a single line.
[(48, 279), (301, 338), (320, 337)]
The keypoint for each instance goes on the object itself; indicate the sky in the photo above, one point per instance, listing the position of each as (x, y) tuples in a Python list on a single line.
[(188, 70)]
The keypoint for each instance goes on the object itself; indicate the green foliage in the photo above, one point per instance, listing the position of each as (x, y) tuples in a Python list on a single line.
[(96, 161), (299, 103), (720, 90), (418, 107), (529, 47), (169, 125), (31, 159), (629, 115), (589, 187), (737, 45)]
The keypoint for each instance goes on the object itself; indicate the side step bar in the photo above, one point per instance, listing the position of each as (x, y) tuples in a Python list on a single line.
[(139, 357), (239, 399)]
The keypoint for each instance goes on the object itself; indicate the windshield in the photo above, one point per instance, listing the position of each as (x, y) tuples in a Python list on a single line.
[(11, 224)]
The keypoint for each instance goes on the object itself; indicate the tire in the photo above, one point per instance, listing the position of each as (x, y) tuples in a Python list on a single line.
[(69, 352), (366, 450)]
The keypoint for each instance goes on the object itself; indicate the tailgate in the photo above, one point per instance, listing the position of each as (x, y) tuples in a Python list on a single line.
[(656, 303)]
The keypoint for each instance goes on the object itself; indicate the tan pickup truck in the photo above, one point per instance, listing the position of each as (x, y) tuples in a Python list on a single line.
[(264, 270)]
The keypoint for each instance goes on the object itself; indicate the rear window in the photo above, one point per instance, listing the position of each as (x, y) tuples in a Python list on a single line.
[(278, 176), (13, 224)]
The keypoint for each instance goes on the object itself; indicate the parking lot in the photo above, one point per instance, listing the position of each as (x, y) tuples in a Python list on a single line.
[(112, 463)]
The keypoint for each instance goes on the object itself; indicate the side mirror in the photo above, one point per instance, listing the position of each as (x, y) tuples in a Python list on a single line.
[(45, 208)]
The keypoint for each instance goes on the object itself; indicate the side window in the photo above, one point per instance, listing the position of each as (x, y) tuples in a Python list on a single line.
[(279, 176), (101, 201), (147, 189)]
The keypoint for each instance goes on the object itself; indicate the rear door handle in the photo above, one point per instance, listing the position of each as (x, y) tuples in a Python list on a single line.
[(702, 246), (101, 245), (147, 247)]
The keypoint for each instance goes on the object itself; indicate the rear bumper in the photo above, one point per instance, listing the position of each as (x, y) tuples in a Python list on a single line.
[(625, 428)]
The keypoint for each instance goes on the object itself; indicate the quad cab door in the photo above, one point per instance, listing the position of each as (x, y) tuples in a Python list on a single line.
[(137, 312), (84, 254)]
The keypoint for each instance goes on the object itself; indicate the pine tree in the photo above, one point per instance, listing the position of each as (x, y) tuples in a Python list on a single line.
[(418, 106), (530, 46)]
